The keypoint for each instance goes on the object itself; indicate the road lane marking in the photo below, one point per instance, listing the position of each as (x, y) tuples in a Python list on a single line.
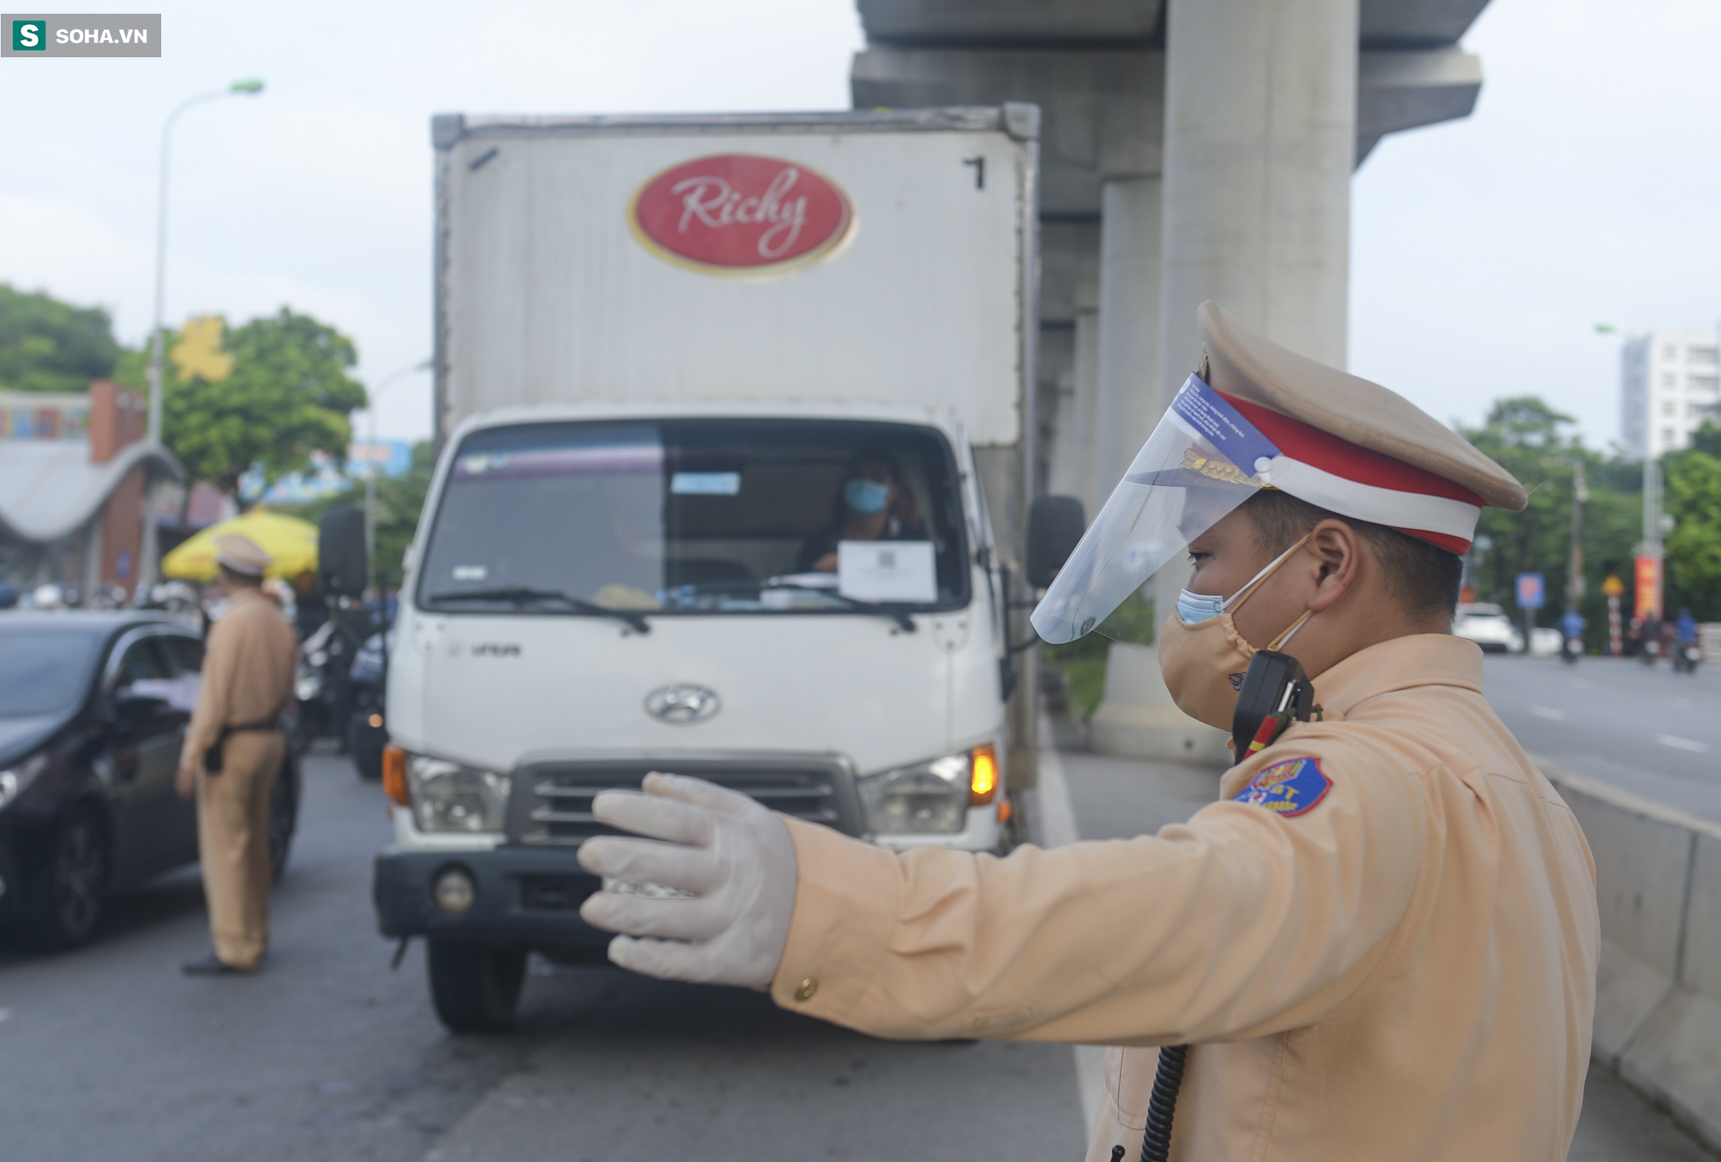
[(1057, 827), (1548, 712), (1678, 743), (1057, 812), (5, 1015)]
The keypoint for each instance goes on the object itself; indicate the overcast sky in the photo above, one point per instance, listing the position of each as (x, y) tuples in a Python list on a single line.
[(1583, 190), (1485, 251)]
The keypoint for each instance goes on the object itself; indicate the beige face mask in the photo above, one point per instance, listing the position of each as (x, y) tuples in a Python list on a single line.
[(1203, 663)]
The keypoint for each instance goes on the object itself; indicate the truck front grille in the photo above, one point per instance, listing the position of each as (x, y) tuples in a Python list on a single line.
[(551, 802)]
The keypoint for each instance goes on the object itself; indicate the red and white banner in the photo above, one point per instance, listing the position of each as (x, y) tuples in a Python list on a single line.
[(1648, 587), (741, 214)]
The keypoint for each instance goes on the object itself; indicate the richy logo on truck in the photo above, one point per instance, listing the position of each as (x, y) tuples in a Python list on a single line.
[(741, 214)]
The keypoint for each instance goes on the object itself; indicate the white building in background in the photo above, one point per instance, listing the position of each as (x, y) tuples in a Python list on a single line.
[(1669, 383)]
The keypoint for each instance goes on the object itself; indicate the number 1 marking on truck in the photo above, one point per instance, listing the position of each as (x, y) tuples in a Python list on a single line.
[(979, 164)]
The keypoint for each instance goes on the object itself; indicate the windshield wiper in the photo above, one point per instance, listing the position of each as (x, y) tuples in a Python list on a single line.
[(902, 619), (854, 603), (526, 595)]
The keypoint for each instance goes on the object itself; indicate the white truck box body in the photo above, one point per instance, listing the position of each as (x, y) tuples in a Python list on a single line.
[(547, 297)]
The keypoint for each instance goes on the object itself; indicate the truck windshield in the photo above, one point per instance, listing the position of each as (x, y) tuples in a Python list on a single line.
[(698, 516)]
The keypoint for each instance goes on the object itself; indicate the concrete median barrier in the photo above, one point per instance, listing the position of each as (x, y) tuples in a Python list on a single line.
[(1658, 992)]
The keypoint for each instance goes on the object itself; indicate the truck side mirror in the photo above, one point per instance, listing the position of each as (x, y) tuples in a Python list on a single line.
[(342, 565), (1055, 524)]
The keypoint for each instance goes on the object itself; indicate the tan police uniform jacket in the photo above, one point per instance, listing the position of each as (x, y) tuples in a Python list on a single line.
[(247, 673), (1385, 949)]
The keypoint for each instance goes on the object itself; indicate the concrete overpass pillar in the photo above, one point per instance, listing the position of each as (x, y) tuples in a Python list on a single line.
[(1260, 140), (1092, 487), (1128, 321), (1072, 462), (1259, 144)]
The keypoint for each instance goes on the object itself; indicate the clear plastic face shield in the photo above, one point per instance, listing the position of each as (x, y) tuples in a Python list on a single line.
[(1203, 460)]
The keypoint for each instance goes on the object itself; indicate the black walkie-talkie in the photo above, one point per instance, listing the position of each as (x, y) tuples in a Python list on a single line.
[(1274, 687), (1275, 693)]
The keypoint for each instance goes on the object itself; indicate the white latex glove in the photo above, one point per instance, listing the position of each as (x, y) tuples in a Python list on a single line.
[(734, 859)]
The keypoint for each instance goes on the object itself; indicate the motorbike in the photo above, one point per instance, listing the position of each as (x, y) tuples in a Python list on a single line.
[(1686, 655), (366, 733), (1571, 648), (322, 684)]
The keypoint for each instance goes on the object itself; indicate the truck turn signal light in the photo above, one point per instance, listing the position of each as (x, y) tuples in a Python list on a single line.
[(983, 782), (394, 775)]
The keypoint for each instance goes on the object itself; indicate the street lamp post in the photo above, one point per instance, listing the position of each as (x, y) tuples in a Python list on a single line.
[(249, 88), (371, 468)]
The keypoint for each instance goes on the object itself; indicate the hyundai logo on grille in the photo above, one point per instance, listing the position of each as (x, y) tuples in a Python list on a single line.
[(681, 705)]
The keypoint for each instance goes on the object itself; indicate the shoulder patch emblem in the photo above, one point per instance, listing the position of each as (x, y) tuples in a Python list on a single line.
[(1289, 788)]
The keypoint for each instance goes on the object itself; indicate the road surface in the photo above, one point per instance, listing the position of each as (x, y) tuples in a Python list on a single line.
[(110, 1054), (1644, 729), (1121, 798)]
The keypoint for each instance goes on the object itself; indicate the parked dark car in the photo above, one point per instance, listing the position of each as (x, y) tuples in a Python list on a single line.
[(93, 711)]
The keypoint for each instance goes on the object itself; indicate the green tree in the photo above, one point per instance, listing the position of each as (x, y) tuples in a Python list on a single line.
[(1707, 438), (1529, 439), (1693, 549), (288, 395), (48, 345), (399, 505), (1525, 436), (1613, 526)]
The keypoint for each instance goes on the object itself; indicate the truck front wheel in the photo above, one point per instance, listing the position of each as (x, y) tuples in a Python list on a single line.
[(474, 987)]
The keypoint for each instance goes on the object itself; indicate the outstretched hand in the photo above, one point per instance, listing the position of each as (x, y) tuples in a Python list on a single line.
[(732, 861)]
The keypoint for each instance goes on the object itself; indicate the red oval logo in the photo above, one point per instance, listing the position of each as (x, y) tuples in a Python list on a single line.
[(741, 214)]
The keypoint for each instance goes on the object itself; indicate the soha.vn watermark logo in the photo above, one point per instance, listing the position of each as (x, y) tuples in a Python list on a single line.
[(80, 34)]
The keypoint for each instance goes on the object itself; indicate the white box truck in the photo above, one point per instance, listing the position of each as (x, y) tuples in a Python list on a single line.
[(736, 425)]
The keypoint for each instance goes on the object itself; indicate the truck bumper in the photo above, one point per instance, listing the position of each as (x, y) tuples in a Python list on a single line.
[(526, 897)]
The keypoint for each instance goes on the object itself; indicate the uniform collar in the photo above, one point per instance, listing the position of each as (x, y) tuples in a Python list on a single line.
[(253, 593), (1403, 663)]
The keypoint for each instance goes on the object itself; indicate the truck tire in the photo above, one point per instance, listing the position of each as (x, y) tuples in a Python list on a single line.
[(474, 986)]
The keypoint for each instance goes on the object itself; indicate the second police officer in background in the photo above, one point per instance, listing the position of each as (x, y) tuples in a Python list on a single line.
[(233, 749), (1380, 942)]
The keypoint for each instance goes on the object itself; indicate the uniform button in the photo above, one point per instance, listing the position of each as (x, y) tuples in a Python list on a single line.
[(807, 989)]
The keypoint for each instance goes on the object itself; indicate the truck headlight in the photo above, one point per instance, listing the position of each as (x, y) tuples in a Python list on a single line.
[(449, 797), (930, 798)]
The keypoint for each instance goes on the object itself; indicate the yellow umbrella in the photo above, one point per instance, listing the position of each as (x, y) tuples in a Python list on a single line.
[(290, 541)]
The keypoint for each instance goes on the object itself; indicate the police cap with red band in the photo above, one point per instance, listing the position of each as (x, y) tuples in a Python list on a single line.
[(1351, 446)]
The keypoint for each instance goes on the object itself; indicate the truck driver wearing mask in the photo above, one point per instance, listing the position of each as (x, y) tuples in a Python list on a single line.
[(876, 503), (1380, 942)]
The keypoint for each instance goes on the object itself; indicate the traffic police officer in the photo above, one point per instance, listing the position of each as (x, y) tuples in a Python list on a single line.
[(1380, 942), (233, 749)]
